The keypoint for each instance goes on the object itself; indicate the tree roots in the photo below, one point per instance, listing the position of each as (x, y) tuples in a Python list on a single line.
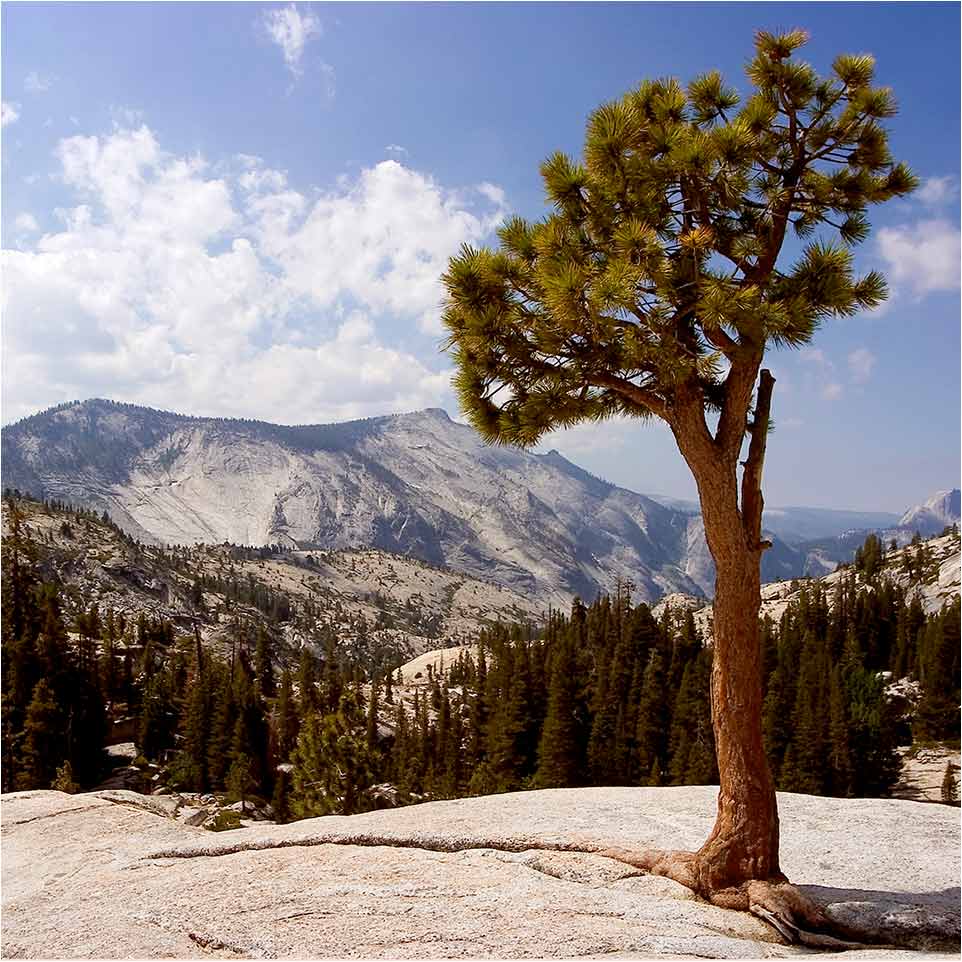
[(793, 915)]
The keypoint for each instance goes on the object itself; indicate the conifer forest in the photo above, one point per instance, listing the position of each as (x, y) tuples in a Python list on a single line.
[(603, 694)]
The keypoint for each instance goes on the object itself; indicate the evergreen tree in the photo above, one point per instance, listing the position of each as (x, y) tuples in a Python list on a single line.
[(263, 668), (45, 744), (332, 765), (285, 719), (559, 764), (157, 719), (653, 720), (64, 781), (663, 257)]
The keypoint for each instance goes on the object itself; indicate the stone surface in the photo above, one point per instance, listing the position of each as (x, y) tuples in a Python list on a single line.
[(105, 875)]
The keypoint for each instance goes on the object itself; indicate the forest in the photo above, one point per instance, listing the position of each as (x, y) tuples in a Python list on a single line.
[(603, 694)]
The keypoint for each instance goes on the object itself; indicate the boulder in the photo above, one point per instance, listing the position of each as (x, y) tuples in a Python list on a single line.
[(102, 876)]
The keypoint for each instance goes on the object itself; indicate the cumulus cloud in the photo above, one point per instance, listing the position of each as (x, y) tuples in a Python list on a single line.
[(221, 289), (922, 257), (291, 30), (860, 364), (37, 83), (382, 240), (9, 113)]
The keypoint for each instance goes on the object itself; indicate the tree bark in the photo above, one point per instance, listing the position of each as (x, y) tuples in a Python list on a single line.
[(743, 845)]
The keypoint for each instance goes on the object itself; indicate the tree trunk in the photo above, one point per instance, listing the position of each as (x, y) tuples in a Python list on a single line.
[(743, 845)]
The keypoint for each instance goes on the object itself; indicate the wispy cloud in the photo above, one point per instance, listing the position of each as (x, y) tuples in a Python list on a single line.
[(37, 83), (396, 150), (936, 191), (860, 364), (9, 113), (828, 387), (291, 30), (27, 223)]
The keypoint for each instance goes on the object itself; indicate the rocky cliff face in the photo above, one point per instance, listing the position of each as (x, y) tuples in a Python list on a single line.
[(932, 516), (418, 485)]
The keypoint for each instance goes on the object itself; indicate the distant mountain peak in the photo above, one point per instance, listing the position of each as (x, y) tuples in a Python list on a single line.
[(937, 512)]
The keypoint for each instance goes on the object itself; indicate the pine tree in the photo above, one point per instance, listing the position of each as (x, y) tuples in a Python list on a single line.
[(263, 668), (241, 779), (559, 765), (157, 718), (45, 744), (809, 735), (653, 289), (309, 699), (280, 800), (841, 775), (197, 730), (653, 721), (64, 781), (223, 719), (285, 720), (332, 765)]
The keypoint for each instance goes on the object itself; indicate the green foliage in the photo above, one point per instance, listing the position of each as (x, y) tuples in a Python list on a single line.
[(661, 256), (332, 763), (226, 820), (64, 781)]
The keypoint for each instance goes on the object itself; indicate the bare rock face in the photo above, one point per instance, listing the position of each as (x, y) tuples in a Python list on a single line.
[(106, 875)]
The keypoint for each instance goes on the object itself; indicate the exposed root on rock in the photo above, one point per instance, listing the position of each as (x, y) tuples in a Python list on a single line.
[(792, 914)]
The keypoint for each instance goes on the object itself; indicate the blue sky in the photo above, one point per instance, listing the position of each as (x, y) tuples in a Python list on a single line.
[(243, 210)]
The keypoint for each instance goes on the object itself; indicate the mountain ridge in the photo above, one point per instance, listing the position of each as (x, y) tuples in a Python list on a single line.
[(417, 483)]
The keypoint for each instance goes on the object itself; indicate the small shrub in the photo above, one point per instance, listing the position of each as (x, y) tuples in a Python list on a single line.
[(225, 821)]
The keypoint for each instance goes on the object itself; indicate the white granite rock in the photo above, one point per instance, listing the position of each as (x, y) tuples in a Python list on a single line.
[(102, 876)]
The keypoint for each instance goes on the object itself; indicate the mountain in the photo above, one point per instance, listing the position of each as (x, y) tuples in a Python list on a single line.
[(376, 604), (927, 520), (417, 484), (936, 582), (795, 524), (932, 516)]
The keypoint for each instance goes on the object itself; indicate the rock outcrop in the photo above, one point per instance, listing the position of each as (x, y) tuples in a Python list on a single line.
[(106, 875)]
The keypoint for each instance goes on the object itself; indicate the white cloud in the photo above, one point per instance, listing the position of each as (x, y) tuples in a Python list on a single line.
[(860, 364), (37, 83), (220, 289), (937, 190), (9, 113), (396, 149), (291, 30), (26, 222), (382, 240), (923, 257)]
